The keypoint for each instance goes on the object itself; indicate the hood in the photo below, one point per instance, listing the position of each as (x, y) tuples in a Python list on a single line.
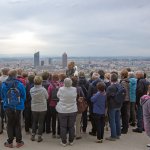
[(133, 81), (94, 83), (10, 81), (82, 80), (144, 99), (126, 80), (45, 82), (36, 90)]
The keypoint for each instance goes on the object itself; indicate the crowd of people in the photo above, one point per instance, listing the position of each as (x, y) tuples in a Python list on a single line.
[(49, 103)]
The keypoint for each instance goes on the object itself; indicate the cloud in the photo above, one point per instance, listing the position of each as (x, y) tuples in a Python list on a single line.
[(81, 28)]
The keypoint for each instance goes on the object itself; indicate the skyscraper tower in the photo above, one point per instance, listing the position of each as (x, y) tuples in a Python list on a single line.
[(36, 59), (50, 61), (64, 60)]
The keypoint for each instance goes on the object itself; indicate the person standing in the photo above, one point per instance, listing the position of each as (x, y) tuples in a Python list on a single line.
[(141, 89), (125, 109), (52, 102), (2, 114), (39, 96), (113, 109), (14, 96), (67, 111), (145, 103), (99, 107), (133, 84), (27, 111)]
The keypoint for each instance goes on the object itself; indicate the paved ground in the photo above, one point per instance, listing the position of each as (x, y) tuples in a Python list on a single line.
[(131, 141)]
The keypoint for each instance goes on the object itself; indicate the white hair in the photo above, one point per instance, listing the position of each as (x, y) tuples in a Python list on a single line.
[(67, 82), (131, 74)]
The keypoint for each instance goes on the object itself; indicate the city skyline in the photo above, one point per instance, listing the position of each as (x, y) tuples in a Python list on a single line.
[(80, 28)]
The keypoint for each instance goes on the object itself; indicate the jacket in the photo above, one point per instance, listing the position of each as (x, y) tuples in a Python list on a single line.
[(67, 100), (125, 84), (145, 102), (22, 79), (52, 102), (45, 84), (92, 88), (28, 95), (99, 103), (83, 83), (141, 89), (39, 98), (132, 84), (4, 89)]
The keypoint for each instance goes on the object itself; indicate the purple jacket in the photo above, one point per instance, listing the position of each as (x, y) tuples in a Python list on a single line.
[(145, 102)]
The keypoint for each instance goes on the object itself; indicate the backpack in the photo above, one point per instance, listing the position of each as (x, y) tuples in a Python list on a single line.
[(54, 93), (13, 96), (120, 94), (82, 104)]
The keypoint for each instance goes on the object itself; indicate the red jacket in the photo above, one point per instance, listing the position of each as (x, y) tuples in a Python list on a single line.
[(52, 85)]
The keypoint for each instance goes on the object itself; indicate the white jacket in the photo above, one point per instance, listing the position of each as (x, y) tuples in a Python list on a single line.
[(39, 97), (67, 100)]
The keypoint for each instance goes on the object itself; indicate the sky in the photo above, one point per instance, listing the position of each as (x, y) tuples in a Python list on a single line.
[(77, 27)]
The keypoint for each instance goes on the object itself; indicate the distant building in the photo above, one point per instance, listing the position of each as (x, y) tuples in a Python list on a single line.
[(50, 61), (64, 60), (42, 63), (37, 59)]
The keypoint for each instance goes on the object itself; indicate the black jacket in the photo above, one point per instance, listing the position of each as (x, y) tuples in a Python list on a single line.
[(141, 89)]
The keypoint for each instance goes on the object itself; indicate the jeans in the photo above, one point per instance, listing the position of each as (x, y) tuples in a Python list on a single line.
[(100, 123), (38, 119), (67, 122), (14, 125), (139, 117), (114, 120)]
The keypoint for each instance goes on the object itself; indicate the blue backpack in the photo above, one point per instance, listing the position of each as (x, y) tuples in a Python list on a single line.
[(13, 96)]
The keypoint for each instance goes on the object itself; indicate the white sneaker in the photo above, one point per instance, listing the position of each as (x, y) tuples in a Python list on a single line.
[(148, 145), (63, 144), (71, 143)]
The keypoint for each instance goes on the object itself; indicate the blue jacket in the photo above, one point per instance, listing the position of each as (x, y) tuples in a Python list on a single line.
[(4, 89), (99, 103), (132, 84)]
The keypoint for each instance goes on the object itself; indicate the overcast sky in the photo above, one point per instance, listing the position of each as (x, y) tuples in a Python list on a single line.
[(78, 27)]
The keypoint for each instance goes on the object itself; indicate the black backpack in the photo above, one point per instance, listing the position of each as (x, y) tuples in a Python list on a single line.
[(54, 93), (120, 94)]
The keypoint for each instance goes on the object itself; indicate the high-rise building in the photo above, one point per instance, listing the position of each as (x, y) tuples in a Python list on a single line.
[(42, 63), (64, 60), (50, 61), (36, 59)]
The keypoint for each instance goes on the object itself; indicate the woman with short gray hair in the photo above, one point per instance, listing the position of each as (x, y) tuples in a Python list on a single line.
[(39, 98), (67, 109)]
